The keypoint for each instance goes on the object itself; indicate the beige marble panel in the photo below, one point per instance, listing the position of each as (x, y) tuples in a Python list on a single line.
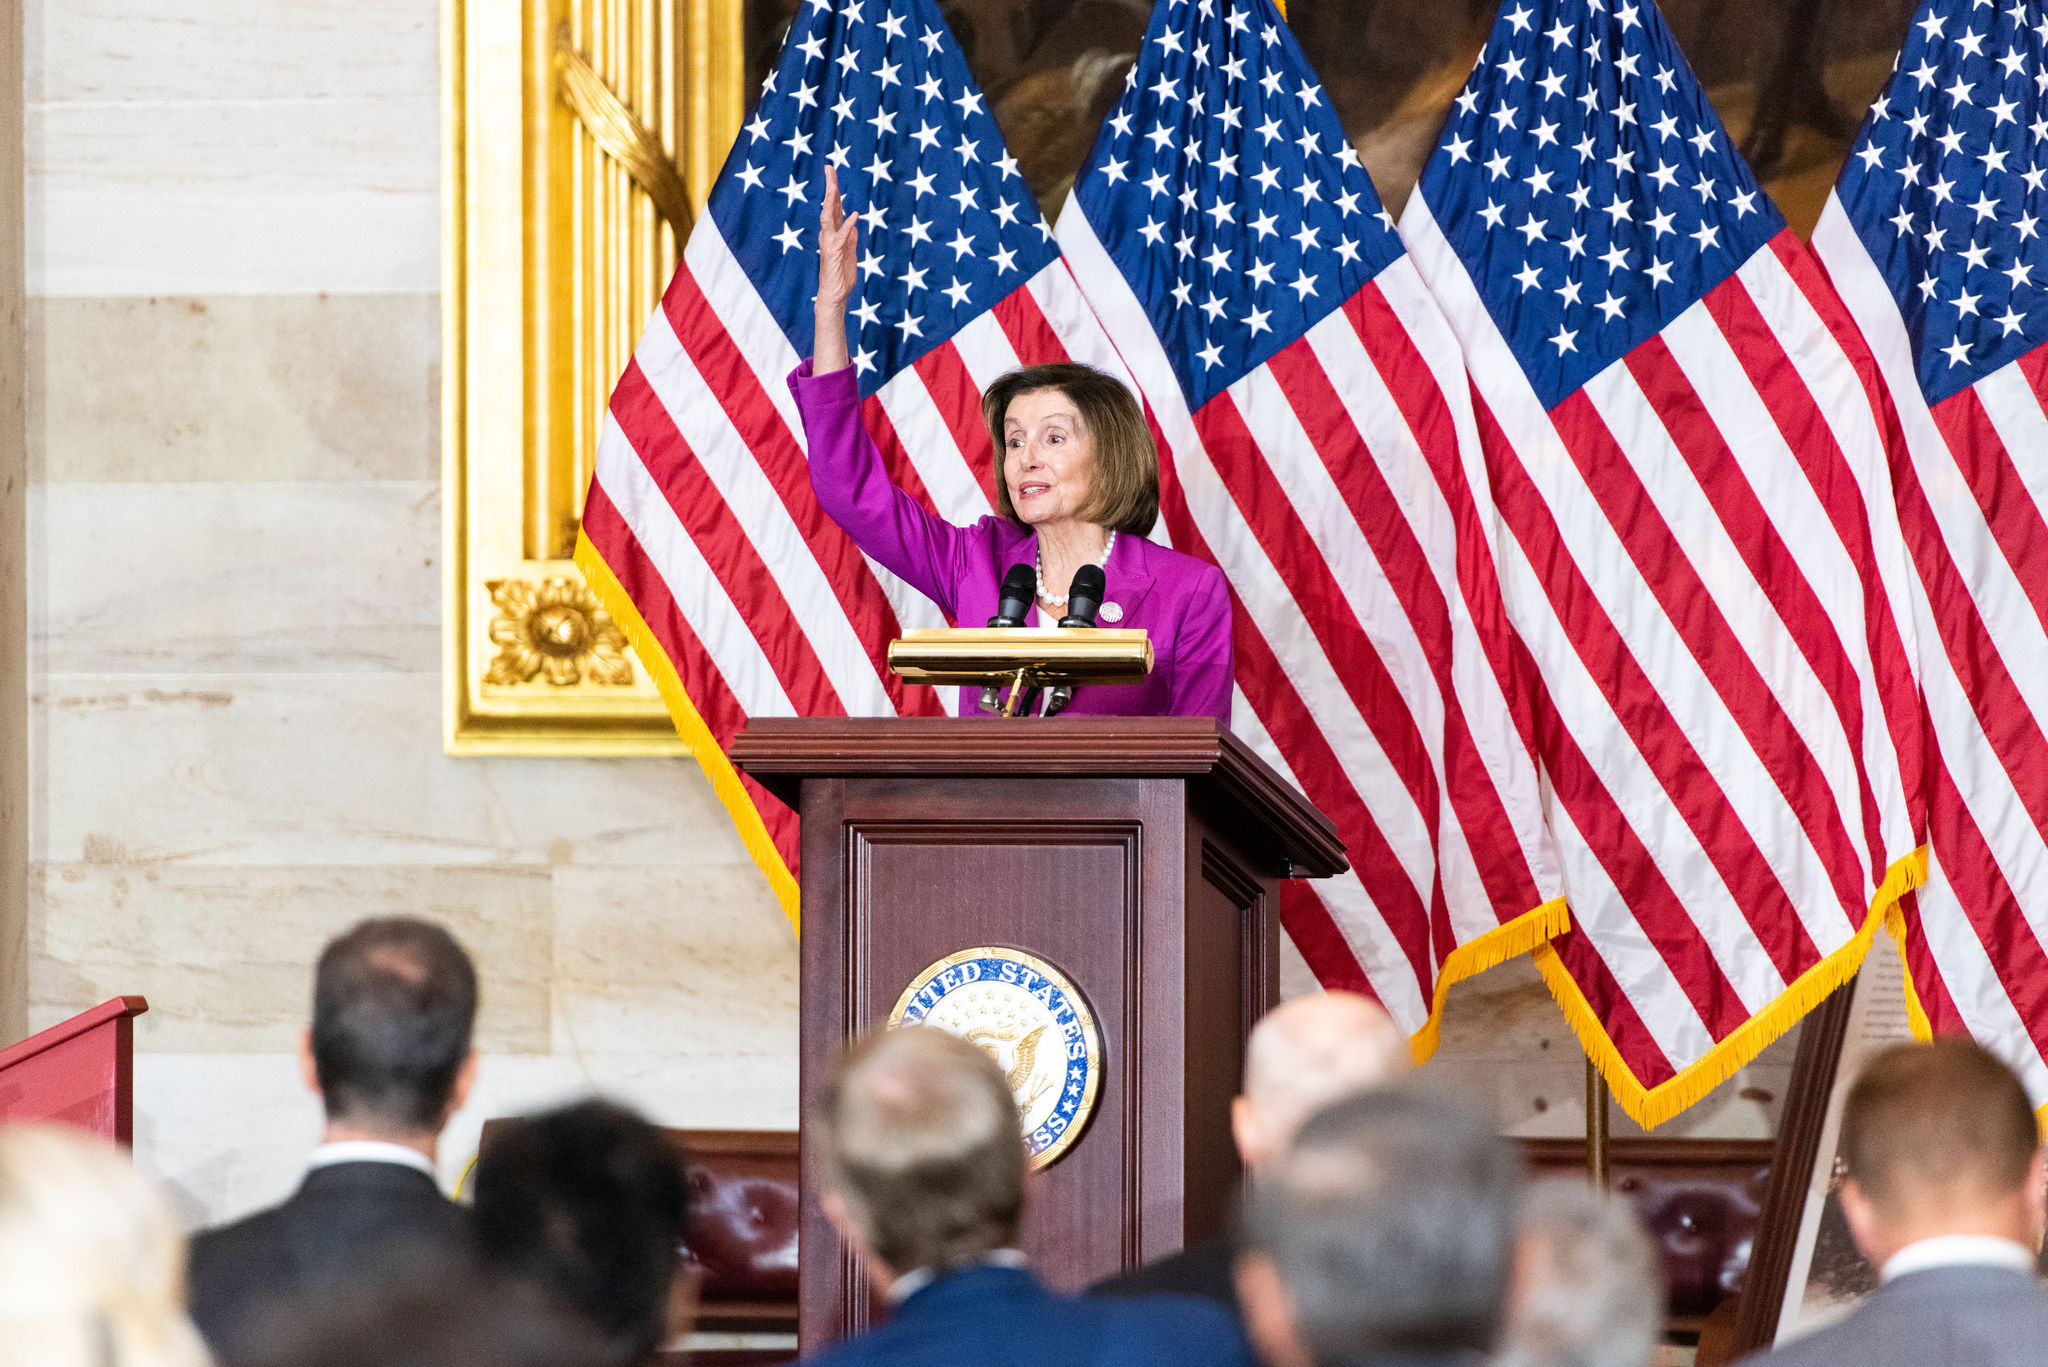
[(235, 197), (98, 50), (239, 578), (698, 1091), (229, 1133), (236, 387), (14, 570), (225, 952), (225, 1133), (695, 961), (314, 769)]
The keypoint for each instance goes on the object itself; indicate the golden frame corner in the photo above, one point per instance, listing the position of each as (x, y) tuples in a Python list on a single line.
[(579, 137)]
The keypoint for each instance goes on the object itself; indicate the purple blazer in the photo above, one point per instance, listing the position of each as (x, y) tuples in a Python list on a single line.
[(1179, 601)]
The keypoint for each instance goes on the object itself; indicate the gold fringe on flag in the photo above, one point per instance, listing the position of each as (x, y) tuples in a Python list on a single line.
[(1526, 933), (725, 780), (1652, 1106)]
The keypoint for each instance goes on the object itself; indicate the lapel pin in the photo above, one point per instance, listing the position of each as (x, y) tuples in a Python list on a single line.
[(1112, 612)]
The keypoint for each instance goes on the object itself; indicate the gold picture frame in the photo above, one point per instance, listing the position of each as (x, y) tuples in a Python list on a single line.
[(579, 139)]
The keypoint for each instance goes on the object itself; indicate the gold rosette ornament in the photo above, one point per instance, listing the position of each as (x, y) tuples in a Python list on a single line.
[(554, 627)]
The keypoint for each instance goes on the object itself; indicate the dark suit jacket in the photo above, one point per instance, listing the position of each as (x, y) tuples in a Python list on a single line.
[(1204, 1270), (1003, 1317), (1943, 1317), (346, 1223)]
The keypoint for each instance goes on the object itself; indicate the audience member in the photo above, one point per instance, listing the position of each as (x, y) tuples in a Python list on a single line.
[(589, 1204), (923, 1167), (1588, 1290), (449, 1315), (92, 1267), (1385, 1234), (389, 1052), (1302, 1056), (1944, 1192)]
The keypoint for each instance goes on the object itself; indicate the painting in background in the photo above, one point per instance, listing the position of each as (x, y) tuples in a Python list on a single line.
[(1805, 1271), (1052, 70)]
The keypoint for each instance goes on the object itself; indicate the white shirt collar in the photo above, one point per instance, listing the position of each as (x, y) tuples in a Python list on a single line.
[(910, 1283), (369, 1151), (1958, 1250)]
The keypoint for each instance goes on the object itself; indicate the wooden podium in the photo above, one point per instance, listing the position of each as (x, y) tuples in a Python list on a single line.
[(1140, 856)]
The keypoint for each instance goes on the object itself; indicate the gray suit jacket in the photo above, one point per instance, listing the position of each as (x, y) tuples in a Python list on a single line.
[(1943, 1317)]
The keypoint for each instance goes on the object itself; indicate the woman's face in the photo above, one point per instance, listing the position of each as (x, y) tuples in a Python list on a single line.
[(1048, 457)]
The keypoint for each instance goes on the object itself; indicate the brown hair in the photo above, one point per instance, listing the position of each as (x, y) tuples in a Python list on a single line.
[(922, 1140), (1922, 1117), (1124, 494)]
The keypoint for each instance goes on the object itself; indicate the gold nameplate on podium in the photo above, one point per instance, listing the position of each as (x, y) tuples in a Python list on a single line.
[(1022, 658)]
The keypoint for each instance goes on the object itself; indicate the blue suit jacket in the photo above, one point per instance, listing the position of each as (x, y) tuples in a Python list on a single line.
[(1003, 1317)]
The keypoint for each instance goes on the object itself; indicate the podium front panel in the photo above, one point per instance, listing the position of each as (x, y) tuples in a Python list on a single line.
[(1061, 890), (1139, 858), (1100, 878)]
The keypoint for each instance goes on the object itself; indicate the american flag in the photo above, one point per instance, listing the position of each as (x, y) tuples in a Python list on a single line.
[(1314, 432), (701, 531), (1697, 543), (1934, 238)]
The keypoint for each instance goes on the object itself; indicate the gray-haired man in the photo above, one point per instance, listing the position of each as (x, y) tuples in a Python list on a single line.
[(924, 1174), (1386, 1233)]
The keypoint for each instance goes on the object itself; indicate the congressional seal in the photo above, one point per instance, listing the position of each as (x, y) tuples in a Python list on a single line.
[(1028, 1017)]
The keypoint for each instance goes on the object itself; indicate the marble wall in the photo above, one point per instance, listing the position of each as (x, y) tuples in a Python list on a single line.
[(233, 352), (234, 379), (13, 547)]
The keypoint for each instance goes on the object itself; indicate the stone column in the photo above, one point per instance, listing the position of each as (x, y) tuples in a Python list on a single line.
[(14, 787)]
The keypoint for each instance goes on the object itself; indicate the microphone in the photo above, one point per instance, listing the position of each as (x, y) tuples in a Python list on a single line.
[(1013, 607), (1084, 596), (1084, 600), (1020, 587)]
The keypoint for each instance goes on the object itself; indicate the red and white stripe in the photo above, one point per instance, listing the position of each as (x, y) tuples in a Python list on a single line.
[(1972, 487), (701, 503), (1698, 551), (1332, 486)]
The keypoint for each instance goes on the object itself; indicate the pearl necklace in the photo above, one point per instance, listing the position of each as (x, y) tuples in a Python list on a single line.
[(1038, 569)]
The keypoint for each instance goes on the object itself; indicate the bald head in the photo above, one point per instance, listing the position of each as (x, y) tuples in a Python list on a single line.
[(1306, 1054)]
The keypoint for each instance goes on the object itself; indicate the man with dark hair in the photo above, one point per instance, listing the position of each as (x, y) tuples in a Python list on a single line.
[(588, 1203), (1386, 1234), (1944, 1192), (923, 1159), (394, 1001)]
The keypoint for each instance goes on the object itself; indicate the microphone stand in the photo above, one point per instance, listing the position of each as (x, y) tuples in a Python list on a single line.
[(1085, 597), (1019, 591)]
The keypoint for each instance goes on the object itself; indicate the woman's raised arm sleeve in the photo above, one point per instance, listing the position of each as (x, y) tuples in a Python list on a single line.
[(854, 488)]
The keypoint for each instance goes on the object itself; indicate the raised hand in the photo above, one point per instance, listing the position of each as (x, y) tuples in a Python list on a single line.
[(838, 267)]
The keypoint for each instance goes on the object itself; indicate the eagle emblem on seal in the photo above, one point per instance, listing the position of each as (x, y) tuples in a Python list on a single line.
[(1025, 1014)]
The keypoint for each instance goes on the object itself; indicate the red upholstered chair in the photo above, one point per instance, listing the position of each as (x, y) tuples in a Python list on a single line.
[(743, 1228), (1700, 1200)]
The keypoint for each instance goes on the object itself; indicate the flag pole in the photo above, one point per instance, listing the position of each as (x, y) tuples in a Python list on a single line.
[(1596, 1126)]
